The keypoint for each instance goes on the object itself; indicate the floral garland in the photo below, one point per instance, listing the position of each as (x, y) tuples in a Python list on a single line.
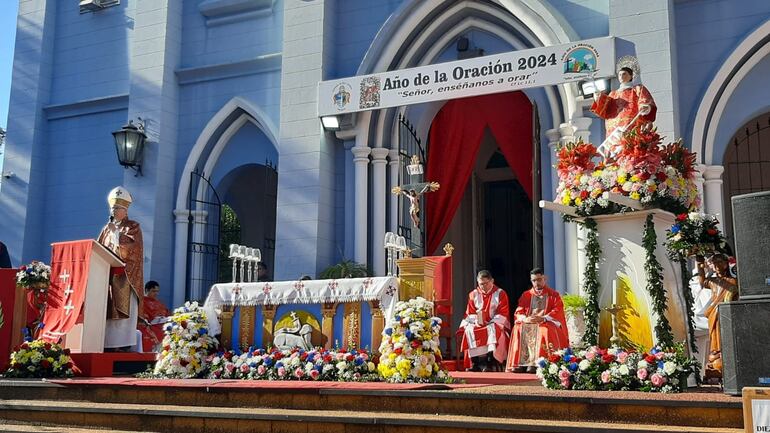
[(40, 359), (295, 364), (186, 345), (643, 171), (410, 348), (591, 283), (617, 369), (655, 288)]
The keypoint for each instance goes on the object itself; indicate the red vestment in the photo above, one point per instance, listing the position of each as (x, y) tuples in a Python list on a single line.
[(621, 106), (152, 335), (531, 341), (491, 334)]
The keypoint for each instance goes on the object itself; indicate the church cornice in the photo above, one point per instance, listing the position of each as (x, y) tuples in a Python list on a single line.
[(260, 64), (87, 106)]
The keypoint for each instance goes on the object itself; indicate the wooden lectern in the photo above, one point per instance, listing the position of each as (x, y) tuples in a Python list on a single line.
[(88, 336)]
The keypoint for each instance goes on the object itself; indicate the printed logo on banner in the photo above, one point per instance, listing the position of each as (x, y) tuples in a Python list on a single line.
[(580, 59), (370, 92), (341, 95)]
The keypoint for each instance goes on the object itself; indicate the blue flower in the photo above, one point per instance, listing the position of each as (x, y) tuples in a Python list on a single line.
[(572, 366), (660, 365), (359, 361), (389, 331), (542, 363), (408, 334), (278, 364), (268, 362), (675, 229), (204, 331), (397, 318)]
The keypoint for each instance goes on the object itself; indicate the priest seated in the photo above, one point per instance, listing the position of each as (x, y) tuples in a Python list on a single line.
[(539, 325), (485, 328)]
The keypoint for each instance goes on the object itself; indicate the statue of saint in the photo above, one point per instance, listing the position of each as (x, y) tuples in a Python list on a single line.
[(123, 237), (630, 105), (296, 335), (724, 288)]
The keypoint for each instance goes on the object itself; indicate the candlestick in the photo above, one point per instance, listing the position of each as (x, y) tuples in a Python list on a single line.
[(614, 293)]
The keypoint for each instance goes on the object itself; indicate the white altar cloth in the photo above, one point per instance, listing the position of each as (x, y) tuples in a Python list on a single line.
[(382, 289)]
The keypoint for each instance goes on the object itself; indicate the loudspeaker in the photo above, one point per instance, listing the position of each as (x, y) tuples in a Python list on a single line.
[(751, 228), (745, 343)]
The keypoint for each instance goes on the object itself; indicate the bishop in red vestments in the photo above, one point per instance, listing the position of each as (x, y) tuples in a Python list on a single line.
[(539, 325), (485, 329)]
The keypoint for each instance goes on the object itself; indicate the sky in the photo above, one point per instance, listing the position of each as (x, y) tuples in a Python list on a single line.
[(8, 11)]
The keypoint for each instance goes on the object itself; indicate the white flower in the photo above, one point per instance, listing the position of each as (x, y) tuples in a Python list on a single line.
[(553, 369), (584, 364), (623, 370), (642, 364), (669, 368)]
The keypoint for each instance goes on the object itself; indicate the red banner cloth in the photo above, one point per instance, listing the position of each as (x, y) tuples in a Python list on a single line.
[(8, 295), (69, 276), (442, 283), (454, 140)]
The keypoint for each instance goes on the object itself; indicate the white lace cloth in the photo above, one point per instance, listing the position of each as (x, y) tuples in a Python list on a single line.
[(382, 289)]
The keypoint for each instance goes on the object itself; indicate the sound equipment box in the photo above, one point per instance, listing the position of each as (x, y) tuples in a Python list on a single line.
[(745, 333), (751, 230)]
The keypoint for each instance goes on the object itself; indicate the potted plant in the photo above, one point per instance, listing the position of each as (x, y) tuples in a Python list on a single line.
[(345, 269), (574, 306)]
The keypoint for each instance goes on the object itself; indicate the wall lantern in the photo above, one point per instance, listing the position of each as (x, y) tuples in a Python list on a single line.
[(129, 143)]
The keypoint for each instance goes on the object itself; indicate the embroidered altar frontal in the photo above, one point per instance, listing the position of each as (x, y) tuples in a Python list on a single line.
[(349, 312)]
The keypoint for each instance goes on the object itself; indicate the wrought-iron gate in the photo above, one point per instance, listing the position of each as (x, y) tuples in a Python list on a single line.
[(202, 237), (409, 144), (747, 164)]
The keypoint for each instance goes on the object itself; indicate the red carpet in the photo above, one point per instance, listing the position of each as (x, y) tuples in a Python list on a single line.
[(473, 378)]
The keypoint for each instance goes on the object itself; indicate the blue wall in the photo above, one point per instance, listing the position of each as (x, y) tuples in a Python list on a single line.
[(707, 32)]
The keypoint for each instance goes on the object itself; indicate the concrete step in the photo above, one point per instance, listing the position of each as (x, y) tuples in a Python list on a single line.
[(493, 402), (190, 419), (39, 428)]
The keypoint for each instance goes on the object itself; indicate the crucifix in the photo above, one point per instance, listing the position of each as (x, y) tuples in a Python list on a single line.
[(415, 189)]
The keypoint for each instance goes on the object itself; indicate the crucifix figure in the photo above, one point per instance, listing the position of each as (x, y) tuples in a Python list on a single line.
[(414, 190)]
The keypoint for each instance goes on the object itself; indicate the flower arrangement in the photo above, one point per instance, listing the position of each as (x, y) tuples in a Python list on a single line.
[(36, 275), (617, 369), (410, 348), (654, 175), (694, 234), (40, 359), (295, 364), (186, 344)]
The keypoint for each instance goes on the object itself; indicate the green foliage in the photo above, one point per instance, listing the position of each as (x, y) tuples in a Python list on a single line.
[(655, 288), (591, 278), (689, 301), (573, 303), (345, 269)]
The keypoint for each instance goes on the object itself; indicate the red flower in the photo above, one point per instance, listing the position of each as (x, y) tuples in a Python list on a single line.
[(644, 176), (712, 232), (649, 358), (583, 195), (350, 357), (183, 324), (303, 356), (661, 176), (45, 364), (398, 351), (183, 362), (278, 355), (681, 217), (228, 356), (554, 358), (23, 268), (47, 346), (416, 344), (607, 358), (328, 358)]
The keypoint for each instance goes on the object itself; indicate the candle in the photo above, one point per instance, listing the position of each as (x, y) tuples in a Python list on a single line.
[(232, 249), (614, 292)]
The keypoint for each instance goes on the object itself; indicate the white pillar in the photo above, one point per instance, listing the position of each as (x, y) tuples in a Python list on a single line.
[(712, 188), (582, 127), (699, 170), (393, 170), (361, 163), (181, 220), (379, 155), (559, 252), (571, 261), (348, 253)]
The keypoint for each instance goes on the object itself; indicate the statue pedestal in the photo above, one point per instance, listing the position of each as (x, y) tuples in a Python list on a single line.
[(622, 261)]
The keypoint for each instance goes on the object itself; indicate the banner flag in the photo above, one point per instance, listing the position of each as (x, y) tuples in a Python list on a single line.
[(69, 277)]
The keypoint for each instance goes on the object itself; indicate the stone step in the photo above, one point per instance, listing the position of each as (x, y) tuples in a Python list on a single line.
[(497, 401), (190, 419), (39, 428)]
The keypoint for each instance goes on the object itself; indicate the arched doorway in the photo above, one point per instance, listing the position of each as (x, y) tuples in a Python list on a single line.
[(747, 164), (481, 152)]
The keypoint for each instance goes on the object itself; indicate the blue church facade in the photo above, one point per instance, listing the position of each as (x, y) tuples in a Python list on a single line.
[(228, 92)]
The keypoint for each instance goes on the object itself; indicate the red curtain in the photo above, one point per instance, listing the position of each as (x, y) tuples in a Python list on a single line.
[(455, 137)]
